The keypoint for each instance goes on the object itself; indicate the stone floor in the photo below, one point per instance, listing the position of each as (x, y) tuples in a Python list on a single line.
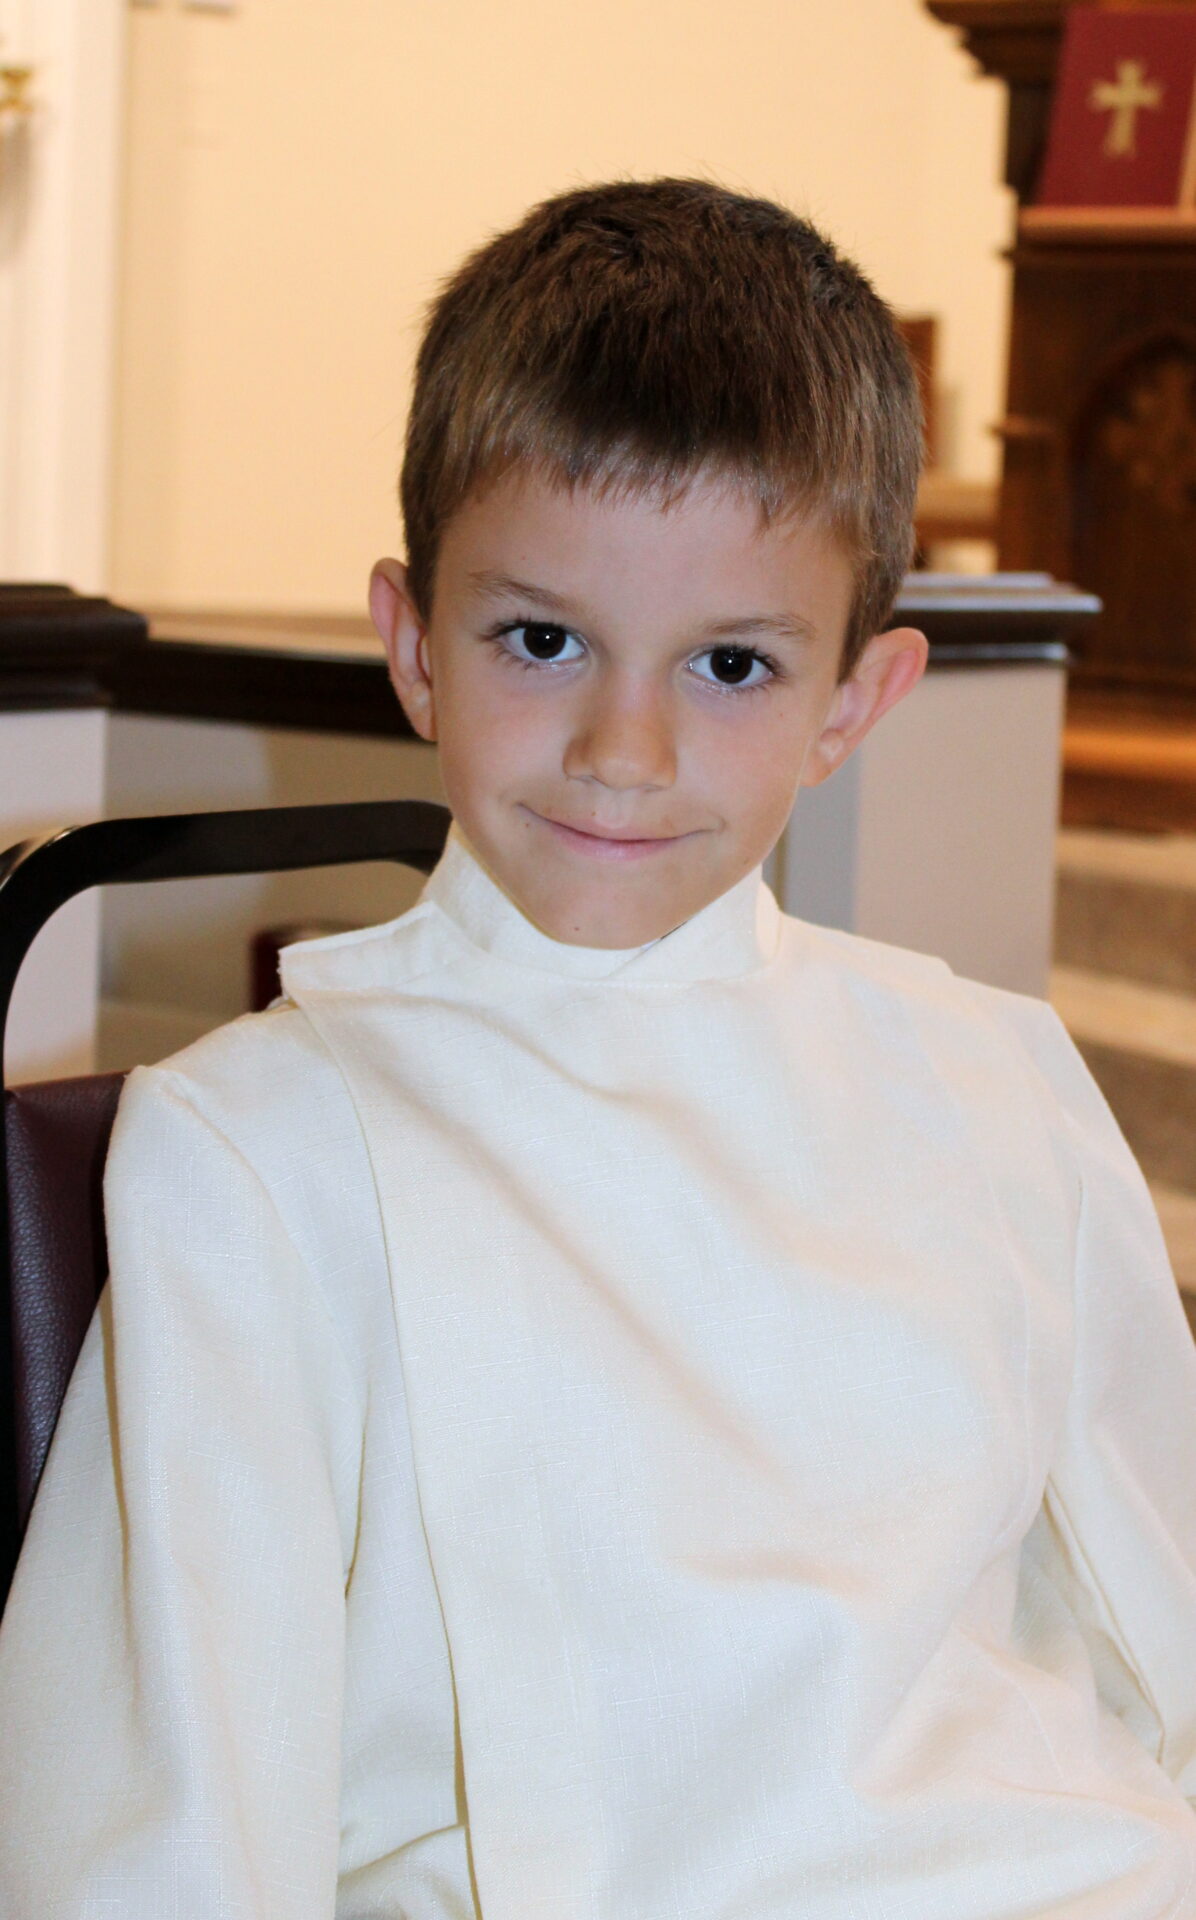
[(1124, 984), (1177, 1217)]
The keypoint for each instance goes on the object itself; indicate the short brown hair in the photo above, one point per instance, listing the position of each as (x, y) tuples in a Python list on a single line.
[(631, 335)]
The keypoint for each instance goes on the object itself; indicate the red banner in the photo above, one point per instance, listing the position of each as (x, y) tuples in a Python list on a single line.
[(1123, 126)]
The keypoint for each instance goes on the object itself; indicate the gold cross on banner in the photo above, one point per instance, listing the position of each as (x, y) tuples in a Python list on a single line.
[(1124, 98)]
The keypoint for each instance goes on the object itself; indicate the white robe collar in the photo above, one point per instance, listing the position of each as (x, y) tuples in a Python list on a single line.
[(737, 933)]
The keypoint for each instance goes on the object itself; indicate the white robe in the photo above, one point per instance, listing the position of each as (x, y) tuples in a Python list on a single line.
[(703, 1433)]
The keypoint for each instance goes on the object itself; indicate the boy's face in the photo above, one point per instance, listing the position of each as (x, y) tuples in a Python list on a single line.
[(627, 698)]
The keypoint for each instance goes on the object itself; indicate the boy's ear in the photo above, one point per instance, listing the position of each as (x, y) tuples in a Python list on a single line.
[(405, 637), (890, 666)]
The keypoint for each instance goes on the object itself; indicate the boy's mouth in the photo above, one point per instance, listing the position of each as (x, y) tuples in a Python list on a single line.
[(606, 843)]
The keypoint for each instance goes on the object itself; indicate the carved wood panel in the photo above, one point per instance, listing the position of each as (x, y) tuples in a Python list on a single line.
[(1099, 479), (1100, 428), (1133, 500)]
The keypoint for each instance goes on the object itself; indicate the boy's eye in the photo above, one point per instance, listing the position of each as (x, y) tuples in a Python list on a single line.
[(541, 640), (732, 667), (532, 643)]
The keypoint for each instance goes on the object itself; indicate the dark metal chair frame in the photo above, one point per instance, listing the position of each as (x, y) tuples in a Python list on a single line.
[(40, 875)]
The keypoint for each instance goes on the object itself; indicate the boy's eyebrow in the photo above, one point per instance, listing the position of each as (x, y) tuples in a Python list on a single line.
[(505, 586), (788, 624)]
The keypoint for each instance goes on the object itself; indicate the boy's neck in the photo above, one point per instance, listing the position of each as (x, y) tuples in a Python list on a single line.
[(737, 933)]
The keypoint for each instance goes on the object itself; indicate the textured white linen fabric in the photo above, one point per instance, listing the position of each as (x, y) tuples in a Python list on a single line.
[(224, 1685), (665, 1435)]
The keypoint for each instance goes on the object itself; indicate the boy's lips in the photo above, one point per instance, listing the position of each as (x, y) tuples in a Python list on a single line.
[(607, 843)]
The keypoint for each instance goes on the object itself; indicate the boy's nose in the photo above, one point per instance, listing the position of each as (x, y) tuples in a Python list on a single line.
[(624, 738)]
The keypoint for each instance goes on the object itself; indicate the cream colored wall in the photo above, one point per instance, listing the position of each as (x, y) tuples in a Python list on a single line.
[(59, 205), (300, 177)]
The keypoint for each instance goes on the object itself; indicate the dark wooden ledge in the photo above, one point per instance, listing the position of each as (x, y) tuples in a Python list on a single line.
[(280, 680), (58, 648), (995, 619), (326, 673)]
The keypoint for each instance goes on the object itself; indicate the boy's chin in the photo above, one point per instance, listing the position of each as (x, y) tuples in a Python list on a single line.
[(583, 900), (598, 917), (600, 932)]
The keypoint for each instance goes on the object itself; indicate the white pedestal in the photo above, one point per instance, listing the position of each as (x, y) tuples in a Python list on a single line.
[(176, 954), (52, 775), (939, 832)]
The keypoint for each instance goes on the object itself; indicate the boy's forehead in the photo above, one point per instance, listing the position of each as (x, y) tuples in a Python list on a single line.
[(724, 491), (714, 535)]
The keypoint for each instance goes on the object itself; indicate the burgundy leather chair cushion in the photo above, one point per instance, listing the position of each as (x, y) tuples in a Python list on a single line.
[(57, 1139)]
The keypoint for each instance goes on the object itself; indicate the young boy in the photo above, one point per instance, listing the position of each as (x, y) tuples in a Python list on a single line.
[(614, 1403)]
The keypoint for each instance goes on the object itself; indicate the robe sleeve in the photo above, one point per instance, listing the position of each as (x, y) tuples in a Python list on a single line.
[(1117, 1531), (172, 1657)]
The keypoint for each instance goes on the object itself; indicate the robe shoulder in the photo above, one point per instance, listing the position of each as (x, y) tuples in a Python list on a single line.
[(265, 1093), (272, 1085), (271, 1078), (1030, 1022), (1027, 1028), (273, 1071), (266, 1082)]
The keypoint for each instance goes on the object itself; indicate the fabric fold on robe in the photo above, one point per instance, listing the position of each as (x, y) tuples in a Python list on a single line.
[(657, 1435), (742, 1357)]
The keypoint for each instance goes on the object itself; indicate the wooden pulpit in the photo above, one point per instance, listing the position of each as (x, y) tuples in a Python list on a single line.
[(1099, 473)]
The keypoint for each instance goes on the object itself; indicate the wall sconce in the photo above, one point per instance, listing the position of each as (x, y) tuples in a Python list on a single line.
[(14, 95)]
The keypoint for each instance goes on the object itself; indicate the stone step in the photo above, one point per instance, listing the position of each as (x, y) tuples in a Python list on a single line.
[(1125, 904), (1140, 1043), (1177, 1217), (1124, 985)]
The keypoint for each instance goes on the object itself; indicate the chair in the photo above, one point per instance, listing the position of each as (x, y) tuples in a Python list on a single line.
[(53, 1260)]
